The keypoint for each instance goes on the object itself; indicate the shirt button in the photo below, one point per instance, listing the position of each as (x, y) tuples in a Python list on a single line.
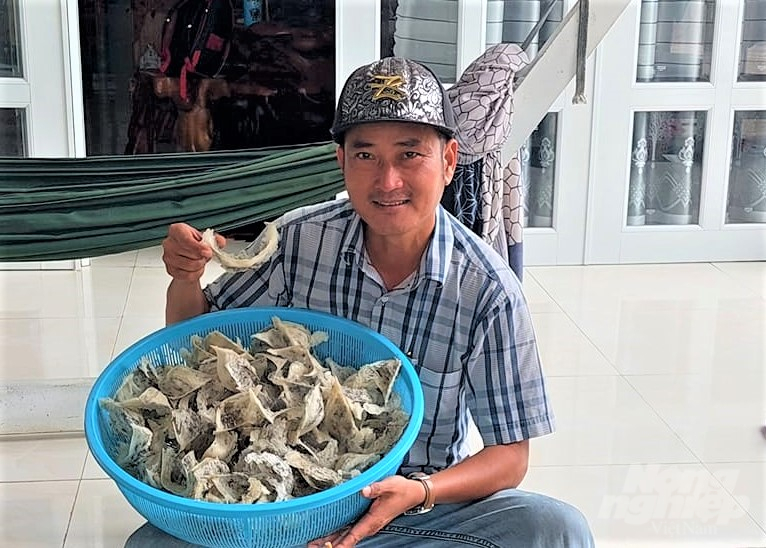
[(384, 300)]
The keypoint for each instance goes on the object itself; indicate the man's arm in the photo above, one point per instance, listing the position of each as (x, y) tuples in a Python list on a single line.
[(493, 468), (184, 300), (185, 257)]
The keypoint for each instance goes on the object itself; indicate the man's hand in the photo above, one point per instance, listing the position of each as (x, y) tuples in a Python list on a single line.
[(184, 254), (185, 257), (391, 497), (493, 468)]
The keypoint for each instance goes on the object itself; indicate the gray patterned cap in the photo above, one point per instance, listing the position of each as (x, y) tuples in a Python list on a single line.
[(393, 90)]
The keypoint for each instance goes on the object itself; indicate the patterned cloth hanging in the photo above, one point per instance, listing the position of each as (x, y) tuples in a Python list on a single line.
[(483, 196)]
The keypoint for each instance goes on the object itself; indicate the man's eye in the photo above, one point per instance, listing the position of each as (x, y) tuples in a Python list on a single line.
[(411, 154), (363, 155)]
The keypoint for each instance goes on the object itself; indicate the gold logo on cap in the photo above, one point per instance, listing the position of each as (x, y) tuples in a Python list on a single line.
[(387, 87)]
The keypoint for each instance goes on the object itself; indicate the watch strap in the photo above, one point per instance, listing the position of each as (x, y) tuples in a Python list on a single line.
[(428, 503)]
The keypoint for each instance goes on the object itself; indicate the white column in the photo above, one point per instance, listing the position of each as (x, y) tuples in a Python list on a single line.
[(471, 32), (357, 37)]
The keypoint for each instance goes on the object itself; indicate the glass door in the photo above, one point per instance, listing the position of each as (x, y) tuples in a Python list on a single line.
[(680, 135), (35, 116), (14, 90), (38, 117)]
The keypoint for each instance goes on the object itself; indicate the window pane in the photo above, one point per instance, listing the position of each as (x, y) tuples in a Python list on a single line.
[(12, 132), (510, 21), (666, 168), (422, 30), (10, 49), (276, 85), (675, 40), (752, 63), (747, 177), (538, 168)]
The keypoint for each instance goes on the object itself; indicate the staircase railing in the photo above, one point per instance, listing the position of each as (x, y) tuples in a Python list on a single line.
[(541, 82)]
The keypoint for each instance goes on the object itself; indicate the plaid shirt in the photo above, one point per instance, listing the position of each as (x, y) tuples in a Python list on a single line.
[(462, 318)]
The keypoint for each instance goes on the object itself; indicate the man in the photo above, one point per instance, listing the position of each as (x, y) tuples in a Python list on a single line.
[(391, 258)]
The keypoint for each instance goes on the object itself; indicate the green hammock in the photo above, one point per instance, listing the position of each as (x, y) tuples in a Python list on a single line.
[(73, 208)]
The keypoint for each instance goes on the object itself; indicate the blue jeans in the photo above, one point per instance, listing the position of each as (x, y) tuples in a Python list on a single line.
[(507, 519)]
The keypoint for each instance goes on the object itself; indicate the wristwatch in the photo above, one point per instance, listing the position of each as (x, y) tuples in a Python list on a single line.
[(428, 503)]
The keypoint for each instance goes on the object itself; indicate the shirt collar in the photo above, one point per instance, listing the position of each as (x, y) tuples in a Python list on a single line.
[(436, 260)]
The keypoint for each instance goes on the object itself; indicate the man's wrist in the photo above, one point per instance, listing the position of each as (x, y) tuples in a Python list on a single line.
[(186, 284), (428, 501), (185, 299), (424, 488)]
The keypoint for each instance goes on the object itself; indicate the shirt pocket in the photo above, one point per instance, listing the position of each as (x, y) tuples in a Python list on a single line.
[(441, 393)]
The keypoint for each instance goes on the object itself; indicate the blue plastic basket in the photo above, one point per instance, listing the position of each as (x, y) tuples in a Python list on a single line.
[(277, 524)]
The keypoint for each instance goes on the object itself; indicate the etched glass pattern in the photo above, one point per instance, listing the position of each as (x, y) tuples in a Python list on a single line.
[(747, 173), (538, 169), (666, 168)]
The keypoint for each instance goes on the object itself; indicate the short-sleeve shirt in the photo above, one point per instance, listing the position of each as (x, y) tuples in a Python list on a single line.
[(462, 318)]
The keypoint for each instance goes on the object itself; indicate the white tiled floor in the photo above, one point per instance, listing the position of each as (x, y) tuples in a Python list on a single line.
[(657, 374)]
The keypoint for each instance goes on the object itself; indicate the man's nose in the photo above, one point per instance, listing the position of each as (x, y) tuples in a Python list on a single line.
[(389, 177)]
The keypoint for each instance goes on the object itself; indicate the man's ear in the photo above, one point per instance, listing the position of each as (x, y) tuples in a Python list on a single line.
[(450, 160), (340, 156)]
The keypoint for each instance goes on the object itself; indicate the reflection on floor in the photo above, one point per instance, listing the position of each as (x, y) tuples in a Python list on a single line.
[(656, 374)]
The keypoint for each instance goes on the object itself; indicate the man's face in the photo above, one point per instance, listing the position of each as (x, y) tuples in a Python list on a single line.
[(395, 175)]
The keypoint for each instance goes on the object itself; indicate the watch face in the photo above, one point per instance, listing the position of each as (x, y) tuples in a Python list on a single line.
[(418, 510)]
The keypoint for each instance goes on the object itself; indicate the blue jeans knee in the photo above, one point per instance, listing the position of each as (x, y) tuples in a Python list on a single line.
[(551, 522)]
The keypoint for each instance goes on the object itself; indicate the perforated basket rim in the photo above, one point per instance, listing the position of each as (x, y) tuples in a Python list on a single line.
[(213, 320)]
